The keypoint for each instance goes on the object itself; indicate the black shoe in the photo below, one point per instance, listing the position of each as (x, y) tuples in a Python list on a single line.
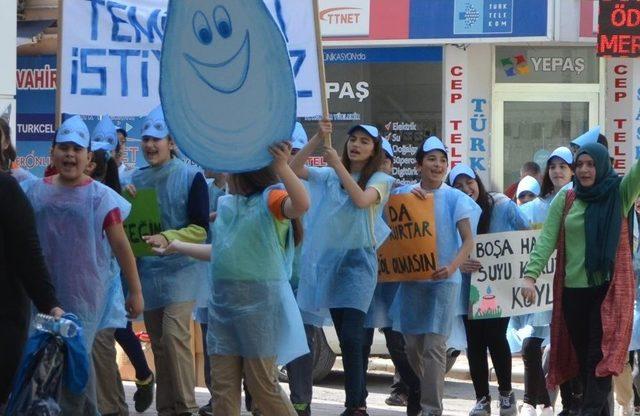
[(143, 397), (206, 410), (354, 412), (396, 399), (303, 412)]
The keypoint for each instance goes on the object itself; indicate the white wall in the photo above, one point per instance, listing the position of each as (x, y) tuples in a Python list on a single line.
[(8, 31), (8, 27)]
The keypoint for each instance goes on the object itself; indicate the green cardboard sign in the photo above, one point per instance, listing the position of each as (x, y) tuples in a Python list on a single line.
[(144, 219)]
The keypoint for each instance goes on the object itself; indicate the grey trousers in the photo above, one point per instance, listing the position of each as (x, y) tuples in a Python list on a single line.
[(427, 354)]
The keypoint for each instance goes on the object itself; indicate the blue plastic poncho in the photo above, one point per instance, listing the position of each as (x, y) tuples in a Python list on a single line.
[(174, 278), (378, 314), (252, 311), (430, 306), (21, 174), (114, 315), (535, 212), (201, 314), (76, 249), (505, 216), (340, 267)]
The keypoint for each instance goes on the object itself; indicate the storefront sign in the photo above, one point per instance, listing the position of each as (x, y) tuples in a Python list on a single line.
[(36, 96), (619, 23), (435, 21), (478, 19), (467, 107), (479, 110), (482, 16), (36, 103), (546, 65), (344, 17), (496, 289), (620, 105), (455, 101), (410, 253), (363, 85)]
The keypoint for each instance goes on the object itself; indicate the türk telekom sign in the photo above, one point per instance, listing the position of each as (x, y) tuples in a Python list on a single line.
[(344, 17), (619, 34)]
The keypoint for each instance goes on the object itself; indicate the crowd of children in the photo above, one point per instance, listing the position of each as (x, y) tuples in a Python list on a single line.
[(261, 258)]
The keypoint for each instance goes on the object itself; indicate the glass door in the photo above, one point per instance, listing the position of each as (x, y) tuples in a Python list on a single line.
[(529, 126)]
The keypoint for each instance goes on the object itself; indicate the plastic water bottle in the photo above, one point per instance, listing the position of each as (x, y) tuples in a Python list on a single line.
[(63, 327)]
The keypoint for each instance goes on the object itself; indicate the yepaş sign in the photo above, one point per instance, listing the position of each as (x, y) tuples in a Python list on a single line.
[(619, 33)]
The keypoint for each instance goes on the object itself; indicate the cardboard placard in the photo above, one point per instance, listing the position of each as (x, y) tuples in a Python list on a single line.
[(496, 289), (410, 253), (144, 219)]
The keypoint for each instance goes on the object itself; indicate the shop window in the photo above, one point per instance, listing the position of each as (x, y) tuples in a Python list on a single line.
[(399, 90)]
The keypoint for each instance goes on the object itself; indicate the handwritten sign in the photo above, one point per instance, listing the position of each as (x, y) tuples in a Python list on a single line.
[(144, 219), (496, 289), (410, 253), (619, 34)]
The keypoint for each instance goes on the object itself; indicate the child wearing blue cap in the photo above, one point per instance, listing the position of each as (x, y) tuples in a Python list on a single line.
[(344, 227), (534, 328), (95, 213), (171, 284), (254, 322), (499, 214), (424, 311)]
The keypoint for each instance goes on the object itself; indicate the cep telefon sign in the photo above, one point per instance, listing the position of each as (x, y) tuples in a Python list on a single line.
[(619, 22)]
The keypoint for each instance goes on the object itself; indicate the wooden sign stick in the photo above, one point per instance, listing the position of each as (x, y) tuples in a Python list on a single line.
[(321, 72)]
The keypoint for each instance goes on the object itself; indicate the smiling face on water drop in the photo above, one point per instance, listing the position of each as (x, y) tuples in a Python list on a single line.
[(222, 73), (225, 78)]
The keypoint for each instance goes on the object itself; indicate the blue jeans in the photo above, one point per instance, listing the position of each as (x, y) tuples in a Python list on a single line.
[(349, 325), (300, 372)]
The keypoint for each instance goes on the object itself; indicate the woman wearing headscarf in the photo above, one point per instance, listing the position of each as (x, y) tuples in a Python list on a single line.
[(594, 288)]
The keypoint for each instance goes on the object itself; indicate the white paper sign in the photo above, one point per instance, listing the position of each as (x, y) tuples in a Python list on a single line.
[(110, 55), (496, 290)]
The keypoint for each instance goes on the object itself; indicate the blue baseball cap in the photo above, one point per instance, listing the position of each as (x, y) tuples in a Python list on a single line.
[(563, 153), (386, 146), (433, 143), (105, 132), (589, 137), (74, 130), (528, 184), (371, 130), (299, 137), (460, 169), (154, 124)]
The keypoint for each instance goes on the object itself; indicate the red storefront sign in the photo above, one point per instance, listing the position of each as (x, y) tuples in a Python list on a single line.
[(619, 28)]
